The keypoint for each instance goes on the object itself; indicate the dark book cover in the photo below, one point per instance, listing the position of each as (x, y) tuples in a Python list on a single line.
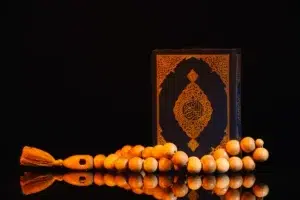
[(196, 98)]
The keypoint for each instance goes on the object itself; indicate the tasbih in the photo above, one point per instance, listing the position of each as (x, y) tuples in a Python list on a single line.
[(235, 156), (160, 186)]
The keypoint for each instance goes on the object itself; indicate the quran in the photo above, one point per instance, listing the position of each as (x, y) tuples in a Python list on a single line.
[(196, 98)]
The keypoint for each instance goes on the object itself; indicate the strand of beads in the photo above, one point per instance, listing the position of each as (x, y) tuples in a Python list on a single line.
[(236, 156)]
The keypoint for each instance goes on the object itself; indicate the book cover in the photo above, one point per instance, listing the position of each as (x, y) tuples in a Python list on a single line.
[(196, 98)]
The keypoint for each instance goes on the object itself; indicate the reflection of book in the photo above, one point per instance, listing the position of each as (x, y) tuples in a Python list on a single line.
[(157, 185), (196, 97)]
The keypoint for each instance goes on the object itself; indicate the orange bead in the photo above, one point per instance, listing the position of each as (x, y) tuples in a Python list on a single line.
[(259, 143), (150, 165), (247, 144), (180, 158), (248, 163), (109, 162), (135, 164), (220, 153), (233, 147), (235, 164), (147, 152), (158, 151), (222, 165), (260, 154), (169, 150), (99, 161), (208, 164), (79, 162), (121, 164), (136, 151), (194, 165)]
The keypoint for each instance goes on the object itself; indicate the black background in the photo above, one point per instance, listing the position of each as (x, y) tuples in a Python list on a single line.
[(81, 80)]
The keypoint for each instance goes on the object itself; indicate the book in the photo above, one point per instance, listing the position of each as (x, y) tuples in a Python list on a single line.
[(196, 98)]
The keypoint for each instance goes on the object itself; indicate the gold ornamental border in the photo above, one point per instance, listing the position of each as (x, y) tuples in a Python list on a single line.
[(166, 64)]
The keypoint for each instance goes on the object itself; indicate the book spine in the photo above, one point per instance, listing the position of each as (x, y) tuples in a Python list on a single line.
[(238, 96)]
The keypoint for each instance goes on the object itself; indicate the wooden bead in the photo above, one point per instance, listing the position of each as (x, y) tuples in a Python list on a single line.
[(220, 153), (165, 165), (194, 165), (147, 152), (208, 164), (125, 150), (150, 165), (121, 164), (79, 162), (233, 147), (222, 165), (136, 151), (158, 151), (135, 164), (248, 163), (79, 178), (169, 150), (99, 161), (247, 144), (109, 162), (259, 143), (260, 154), (235, 164), (180, 158)]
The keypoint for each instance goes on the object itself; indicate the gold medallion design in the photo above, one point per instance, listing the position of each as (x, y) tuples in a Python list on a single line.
[(166, 64), (192, 110)]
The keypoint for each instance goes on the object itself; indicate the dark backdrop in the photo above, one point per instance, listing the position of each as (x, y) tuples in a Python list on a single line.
[(84, 84)]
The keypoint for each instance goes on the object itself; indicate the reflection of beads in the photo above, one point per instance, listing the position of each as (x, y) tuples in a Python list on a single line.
[(160, 186)]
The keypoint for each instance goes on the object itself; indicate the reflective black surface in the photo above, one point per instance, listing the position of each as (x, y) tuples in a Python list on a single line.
[(76, 185)]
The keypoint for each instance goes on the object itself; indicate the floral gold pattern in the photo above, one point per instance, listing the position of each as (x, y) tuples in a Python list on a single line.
[(192, 110), (160, 139), (166, 64), (223, 142)]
